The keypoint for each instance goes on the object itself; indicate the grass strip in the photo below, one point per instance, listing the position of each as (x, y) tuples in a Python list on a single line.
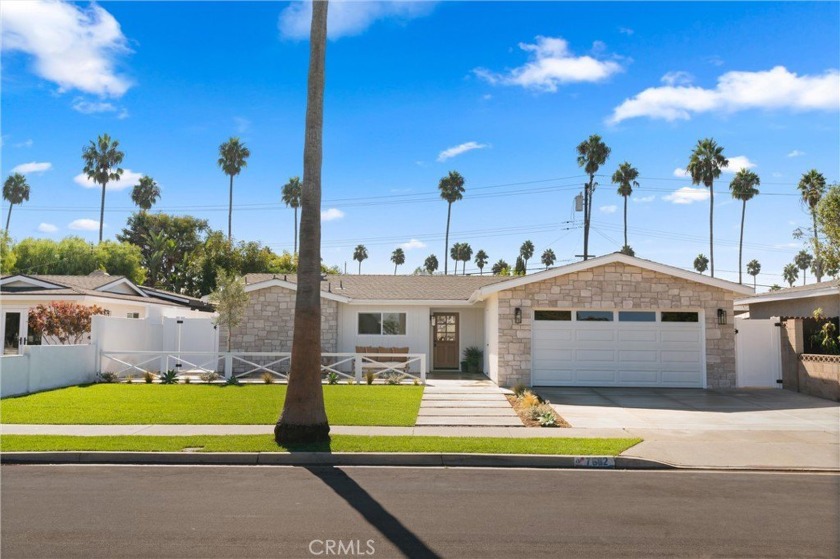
[(339, 443), (143, 404)]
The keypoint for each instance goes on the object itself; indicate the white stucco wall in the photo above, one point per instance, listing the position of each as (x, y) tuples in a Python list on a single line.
[(47, 367), (491, 337)]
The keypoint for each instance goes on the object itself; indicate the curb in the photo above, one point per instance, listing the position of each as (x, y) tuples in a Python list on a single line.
[(336, 459)]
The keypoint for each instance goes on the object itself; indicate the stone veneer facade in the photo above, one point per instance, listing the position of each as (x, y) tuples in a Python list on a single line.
[(615, 286), (269, 323)]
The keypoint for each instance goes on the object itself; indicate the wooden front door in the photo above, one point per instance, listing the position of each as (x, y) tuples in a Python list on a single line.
[(445, 341)]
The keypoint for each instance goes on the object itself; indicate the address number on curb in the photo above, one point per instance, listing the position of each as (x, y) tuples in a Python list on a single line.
[(594, 462)]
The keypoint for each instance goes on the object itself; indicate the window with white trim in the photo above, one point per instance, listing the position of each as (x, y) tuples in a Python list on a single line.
[(132, 315), (382, 323)]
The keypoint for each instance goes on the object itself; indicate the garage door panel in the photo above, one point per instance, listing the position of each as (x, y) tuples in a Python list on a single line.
[(596, 355), (554, 355), (595, 376), (627, 335), (647, 377), (547, 377), (554, 333), (669, 335), (638, 355), (599, 335), (679, 356), (685, 378)]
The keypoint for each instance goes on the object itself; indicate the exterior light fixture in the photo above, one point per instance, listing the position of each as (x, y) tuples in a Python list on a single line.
[(432, 320), (517, 315), (721, 316)]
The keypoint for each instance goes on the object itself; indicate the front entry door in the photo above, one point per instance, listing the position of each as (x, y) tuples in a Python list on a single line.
[(445, 339), (12, 335)]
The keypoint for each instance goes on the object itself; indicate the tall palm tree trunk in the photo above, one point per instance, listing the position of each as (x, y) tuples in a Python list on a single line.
[(818, 267), (586, 194), (9, 217), (741, 242), (395, 269), (625, 221), (303, 418), (712, 229), (446, 250), (296, 230), (360, 267), (230, 211), (102, 212)]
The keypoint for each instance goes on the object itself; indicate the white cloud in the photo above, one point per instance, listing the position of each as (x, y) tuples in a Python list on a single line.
[(413, 243), (84, 106), (609, 209), (486, 97), (24, 144), (331, 214), (551, 65), (736, 91), (625, 31), (32, 167), (736, 163), (796, 153), (242, 124), (84, 225), (681, 173), (677, 78), (72, 46), (129, 179), (454, 151), (644, 199), (347, 18), (687, 195), (48, 228)]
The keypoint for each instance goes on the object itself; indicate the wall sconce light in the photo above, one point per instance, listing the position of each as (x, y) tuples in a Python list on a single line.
[(432, 320), (721, 316), (517, 315)]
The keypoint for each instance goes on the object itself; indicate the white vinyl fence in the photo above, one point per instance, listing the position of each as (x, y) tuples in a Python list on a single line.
[(45, 367)]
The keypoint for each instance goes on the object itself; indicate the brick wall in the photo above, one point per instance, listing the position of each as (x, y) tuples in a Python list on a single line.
[(819, 375), (615, 286)]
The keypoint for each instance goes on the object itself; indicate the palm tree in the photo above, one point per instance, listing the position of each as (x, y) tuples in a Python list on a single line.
[(451, 189), (790, 273), (233, 156), (701, 263), (398, 258), (753, 269), (592, 153), (360, 253), (743, 187), (291, 197), (465, 255), (102, 165), (812, 187), (625, 177), (431, 264), (15, 191), (145, 193), (455, 255), (499, 267), (548, 258), (303, 418), (803, 261), (519, 268), (481, 261), (526, 251), (704, 166)]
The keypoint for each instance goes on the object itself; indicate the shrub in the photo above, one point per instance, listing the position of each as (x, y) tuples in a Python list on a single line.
[(108, 377), (369, 377), (169, 377), (129, 378), (149, 377), (232, 381), (519, 388), (543, 413), (417, 382), (210, 377), (547, 420), (394, 378), (187, 380), (351, 381), (474, 356), (529, 400), (268, 378), (332, 378)]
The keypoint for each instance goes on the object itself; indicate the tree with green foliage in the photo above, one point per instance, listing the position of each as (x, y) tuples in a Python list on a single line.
[(753, 269), (500, 268), (430, 264), (803, 261), (76, 257), (811, 189), (548, 258), (360, 254), (775, 287), (519, 269), (625, 177), (145, 193), (230, 301), (828, 219), (120, 259), (15, 191), (704, 166), (233, 157), (66, 321), (790, 274), (451, 189), (743, 188), (481, 260), (102, 160), (455, 255), (526, 251), (628, 250), (398, 258), (591, 154), (8, 257), (291, 197), (701, 263)]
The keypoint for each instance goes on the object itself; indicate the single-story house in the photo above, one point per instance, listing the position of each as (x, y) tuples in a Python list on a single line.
[(795, 302), (117, 295), (614, 320)]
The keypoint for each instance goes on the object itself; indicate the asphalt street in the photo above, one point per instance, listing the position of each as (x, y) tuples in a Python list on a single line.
[(243, 512)]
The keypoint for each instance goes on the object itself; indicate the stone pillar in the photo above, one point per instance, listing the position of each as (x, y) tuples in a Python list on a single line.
[(793, 344)]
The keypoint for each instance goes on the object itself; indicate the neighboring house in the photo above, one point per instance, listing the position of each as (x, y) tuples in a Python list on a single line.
[(118, 295), (795, 302), (614, 320)]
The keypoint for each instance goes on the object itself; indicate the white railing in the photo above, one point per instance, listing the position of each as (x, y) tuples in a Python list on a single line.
[(238, 364)]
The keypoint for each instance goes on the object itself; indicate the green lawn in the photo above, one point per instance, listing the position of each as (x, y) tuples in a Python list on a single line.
[(339, 443), (260, 404)]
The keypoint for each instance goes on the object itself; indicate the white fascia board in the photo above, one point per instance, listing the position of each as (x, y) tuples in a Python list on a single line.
[(292, 286), (122, 281), (768, 298), (412, 302), (616, 257), (32, 281)]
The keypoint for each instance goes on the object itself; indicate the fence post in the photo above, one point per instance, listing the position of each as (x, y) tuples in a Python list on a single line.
[(423, 368), (228, 365), (357, 367), (164, 361)]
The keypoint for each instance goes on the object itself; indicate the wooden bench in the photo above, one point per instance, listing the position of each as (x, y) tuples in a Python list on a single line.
[(385, 362)]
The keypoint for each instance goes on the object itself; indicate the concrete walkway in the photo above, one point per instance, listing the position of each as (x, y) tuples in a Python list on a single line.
[(465, 403)]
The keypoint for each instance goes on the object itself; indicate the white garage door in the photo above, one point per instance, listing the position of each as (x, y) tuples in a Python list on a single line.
[(617, 348)]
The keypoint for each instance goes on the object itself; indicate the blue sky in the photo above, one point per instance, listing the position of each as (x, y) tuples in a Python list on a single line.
[(501, 92)]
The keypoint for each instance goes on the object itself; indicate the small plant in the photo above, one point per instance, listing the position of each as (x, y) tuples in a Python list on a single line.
[(394, 378), (268, 378), (547, 420), (149, 377), (542, 413), (129, 378), (108, 377), (369, 377), (473, 356), (519, 388), (232, 381), (187, 380), (826, 337), (209, 377), (529, 400), (351, 381), (417, 382), (169, 377), (332, 377)]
